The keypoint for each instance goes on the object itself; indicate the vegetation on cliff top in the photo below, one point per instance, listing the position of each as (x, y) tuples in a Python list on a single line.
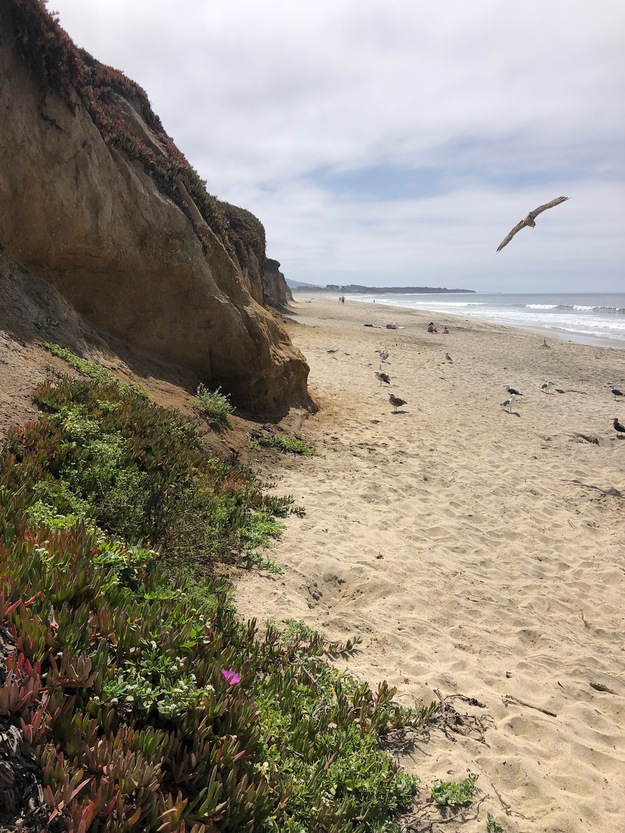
[(147, 704)]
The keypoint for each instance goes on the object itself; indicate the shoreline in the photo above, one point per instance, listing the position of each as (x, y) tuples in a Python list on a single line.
[(560, 333), (476, 552)]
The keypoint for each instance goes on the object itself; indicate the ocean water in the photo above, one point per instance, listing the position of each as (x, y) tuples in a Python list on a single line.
[(582, 317)]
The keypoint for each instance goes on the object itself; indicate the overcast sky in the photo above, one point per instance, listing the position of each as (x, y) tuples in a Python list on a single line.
[(394, 142)]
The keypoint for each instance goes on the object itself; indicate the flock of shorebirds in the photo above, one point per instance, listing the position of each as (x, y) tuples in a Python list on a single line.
[(513, 394), (384, 379)]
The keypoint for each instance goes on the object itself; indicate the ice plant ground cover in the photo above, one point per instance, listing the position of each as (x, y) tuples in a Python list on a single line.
[(148, 705)]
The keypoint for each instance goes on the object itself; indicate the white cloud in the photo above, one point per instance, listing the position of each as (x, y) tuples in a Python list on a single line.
[(516, 102)]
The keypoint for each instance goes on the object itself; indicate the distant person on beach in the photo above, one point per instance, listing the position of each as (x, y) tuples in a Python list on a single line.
[(446, 331), (431, 328)]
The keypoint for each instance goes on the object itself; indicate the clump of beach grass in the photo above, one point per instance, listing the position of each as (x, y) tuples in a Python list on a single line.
[(213, 405), (282, 442), (92, 369)]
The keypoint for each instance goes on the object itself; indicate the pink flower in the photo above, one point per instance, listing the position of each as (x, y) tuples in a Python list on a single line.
[(231, 676)]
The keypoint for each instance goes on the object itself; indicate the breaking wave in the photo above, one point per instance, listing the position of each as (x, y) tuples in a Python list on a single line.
[(578, 308)]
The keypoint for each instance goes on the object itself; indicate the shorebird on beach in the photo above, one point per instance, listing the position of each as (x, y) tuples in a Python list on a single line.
[(546, 387), (382, 377), (512, 391), (530, 220), (618, 394), (620, 429), (449, 358), (396, 402), (384, 354), (508, 403)]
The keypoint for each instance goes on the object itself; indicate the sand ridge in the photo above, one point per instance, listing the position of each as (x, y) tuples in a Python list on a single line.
[(474, 551)]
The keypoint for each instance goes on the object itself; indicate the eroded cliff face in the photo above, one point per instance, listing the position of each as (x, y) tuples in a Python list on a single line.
[(276, 289), (95, 197)]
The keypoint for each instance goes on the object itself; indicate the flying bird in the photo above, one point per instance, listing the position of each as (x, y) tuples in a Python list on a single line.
[(530, 220), (620, 429), (512, 391), (382, 377), (396, 402)]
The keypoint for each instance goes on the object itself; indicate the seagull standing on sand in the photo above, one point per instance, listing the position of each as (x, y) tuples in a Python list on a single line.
[(382, 377), (620, 429), (530, 220), (546, 387), (384, 354), (396, 402), (512, 391), (616, 392), (508, 403), (448, 357)]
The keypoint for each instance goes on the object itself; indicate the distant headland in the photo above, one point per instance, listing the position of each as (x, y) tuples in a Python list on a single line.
[(356, 289)]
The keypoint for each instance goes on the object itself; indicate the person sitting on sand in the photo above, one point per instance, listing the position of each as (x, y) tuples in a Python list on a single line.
[(431, 328), (446, 331)]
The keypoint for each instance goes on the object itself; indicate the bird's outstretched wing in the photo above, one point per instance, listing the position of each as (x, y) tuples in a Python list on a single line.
[(511, 234), (547, 205), (528, 221)]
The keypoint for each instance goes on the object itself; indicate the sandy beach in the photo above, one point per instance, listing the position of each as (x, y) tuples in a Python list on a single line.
[(474, 551)]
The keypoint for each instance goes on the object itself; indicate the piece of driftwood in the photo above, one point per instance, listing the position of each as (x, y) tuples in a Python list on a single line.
[(602, 687), (508, 698)]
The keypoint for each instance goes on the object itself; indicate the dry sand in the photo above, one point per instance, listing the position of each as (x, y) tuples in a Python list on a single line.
[(474, 551)]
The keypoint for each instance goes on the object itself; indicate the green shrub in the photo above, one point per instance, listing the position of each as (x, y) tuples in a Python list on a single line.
[(493, 826), (213, 406), (455, 794), (282, 442), (139, 472), (92, 370)]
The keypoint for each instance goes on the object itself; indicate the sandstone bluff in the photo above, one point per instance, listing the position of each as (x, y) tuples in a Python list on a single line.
[(96, 199)]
